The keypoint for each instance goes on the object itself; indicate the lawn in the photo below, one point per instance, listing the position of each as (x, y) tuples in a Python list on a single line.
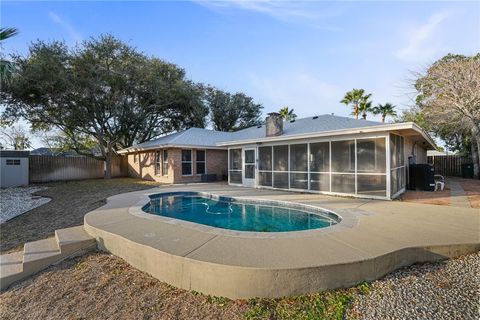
[(97, 285), (70, 202)]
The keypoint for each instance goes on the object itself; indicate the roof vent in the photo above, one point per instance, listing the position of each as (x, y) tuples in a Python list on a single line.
[(292, 121), (316, 117), (274, 125)]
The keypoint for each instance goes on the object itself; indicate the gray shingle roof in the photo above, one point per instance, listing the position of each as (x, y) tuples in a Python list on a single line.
[(205, 138), (189, 137)]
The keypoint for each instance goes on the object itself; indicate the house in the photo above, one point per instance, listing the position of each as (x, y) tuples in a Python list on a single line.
[(325, 154)]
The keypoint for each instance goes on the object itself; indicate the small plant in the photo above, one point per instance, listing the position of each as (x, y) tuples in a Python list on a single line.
[(364, 287)]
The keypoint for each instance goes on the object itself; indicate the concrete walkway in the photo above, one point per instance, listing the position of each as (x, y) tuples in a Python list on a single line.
[(458, 197), (386, 235)]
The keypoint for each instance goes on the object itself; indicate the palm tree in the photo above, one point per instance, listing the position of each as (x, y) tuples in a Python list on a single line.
[(7, 68), (365, 106), (386, 109), (287, 114), (6, 33), (353, 98)]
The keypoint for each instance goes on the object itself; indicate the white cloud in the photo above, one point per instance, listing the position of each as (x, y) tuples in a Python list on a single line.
[(421, 43), (305, 12), (76, 36), (305, 93)]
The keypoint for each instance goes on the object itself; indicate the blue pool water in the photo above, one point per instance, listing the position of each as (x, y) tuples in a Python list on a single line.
[(237, 215)]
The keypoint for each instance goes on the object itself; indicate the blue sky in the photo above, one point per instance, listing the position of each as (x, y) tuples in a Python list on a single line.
[(302, 54)]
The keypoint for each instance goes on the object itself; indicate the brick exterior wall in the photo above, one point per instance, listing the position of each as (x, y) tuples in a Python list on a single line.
[(142, 165)]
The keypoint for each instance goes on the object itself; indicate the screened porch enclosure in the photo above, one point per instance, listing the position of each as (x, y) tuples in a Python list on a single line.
[(360, 167)]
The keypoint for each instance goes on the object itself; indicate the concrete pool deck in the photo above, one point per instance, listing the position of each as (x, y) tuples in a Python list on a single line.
[(375, 238)]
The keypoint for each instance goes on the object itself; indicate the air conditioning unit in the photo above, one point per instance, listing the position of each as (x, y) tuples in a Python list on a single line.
[(421, 177)]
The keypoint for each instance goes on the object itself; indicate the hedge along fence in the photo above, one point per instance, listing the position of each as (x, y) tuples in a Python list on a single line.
[(54, 168)]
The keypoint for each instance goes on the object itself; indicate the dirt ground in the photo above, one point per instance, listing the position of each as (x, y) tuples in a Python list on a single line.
[(70, 202), (101, 286), (472, 188), (441, 198)]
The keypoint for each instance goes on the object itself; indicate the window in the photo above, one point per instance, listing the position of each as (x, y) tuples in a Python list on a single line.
[(265, 166), (342, 158), (235, 165), (320, 157), (165, 163), (186, 162), (280, 167), (298, 164), (343, 166), (13, 162), (158, 160), (200, 161), (320, 166), (371, 167)]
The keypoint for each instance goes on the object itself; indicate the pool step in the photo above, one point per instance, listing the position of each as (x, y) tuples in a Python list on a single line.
[(38, 255)]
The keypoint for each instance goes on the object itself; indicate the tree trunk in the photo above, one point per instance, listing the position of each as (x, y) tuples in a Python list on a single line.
[(476, 152), (383, 118), (355, 111), (108, 165)]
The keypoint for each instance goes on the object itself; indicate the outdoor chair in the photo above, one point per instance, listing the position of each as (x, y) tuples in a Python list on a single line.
[(439, 182)]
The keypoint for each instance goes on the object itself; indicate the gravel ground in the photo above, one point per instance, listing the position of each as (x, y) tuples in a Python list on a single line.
[(445, 290), (18, 200)]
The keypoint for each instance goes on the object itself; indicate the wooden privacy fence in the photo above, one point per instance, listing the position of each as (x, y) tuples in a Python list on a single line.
[(450, 165), (53, 168)]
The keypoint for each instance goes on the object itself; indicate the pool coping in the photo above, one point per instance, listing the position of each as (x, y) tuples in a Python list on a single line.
[(385, 236), (347, 220)]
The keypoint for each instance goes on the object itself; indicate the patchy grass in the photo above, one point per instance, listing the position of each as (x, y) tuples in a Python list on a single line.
[(71, 200), (101, 286), (323, 305)]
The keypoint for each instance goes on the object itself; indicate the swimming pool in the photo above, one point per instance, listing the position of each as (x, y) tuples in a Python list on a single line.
[(239, 214)]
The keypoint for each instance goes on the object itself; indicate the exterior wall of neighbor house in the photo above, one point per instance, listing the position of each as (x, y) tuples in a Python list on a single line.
[(142, 165)]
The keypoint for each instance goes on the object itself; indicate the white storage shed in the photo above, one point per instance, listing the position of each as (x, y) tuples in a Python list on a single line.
[(13, 168)]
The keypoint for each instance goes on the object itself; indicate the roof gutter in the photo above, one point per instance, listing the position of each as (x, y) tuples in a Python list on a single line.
[(167, 145)]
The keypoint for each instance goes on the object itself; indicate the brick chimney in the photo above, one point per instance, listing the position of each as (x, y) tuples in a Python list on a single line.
[(274, 124)]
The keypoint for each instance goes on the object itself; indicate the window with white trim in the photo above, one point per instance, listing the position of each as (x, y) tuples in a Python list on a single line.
[(200, 162), (186, 162), (165, 163), (158, 160)]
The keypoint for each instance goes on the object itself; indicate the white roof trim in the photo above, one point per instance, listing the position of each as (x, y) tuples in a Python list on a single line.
[(379, 128)]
